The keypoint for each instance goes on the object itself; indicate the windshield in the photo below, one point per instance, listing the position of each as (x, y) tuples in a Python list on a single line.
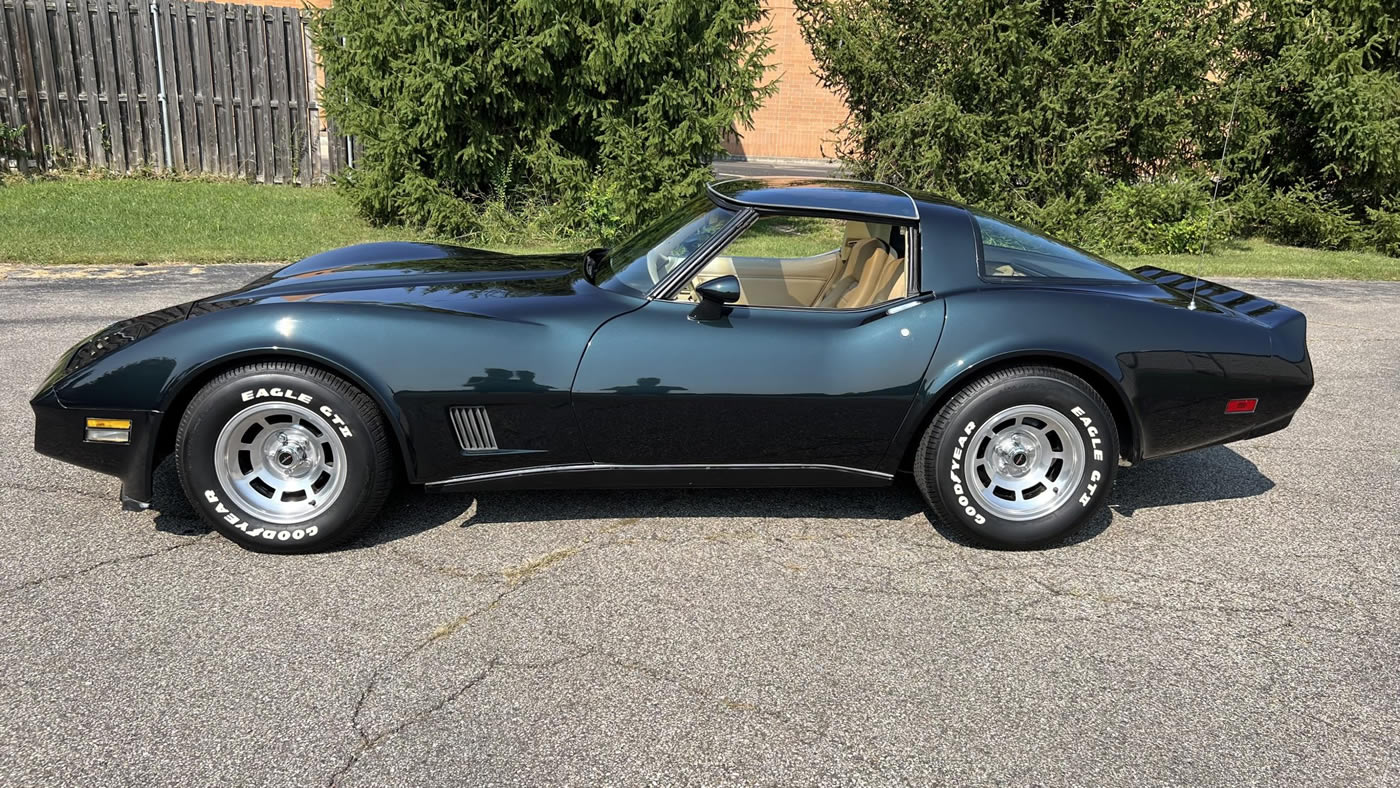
[(638, 263)]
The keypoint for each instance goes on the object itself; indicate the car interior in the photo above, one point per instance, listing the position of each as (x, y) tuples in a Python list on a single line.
[(868, 267)]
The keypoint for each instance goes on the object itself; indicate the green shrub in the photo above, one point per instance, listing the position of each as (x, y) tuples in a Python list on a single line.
[(1385, 227), (1153, 217), (12, 144), (1299, 216), (1011, 105), (537, 102), (1106, 121)]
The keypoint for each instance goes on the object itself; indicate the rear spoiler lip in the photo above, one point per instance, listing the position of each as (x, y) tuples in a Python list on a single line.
[(1261, 310)]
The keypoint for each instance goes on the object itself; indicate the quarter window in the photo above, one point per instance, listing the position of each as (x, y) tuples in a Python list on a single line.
[(1010, 250)]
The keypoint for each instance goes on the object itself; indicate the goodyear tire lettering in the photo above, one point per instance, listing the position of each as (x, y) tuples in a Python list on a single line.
[(958, 490), (270, 534)]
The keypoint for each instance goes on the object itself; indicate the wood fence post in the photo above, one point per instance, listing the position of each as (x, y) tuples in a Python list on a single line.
[(24, 61)]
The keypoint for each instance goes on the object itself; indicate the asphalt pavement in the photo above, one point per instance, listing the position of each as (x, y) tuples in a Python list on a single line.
[(1232, 619)]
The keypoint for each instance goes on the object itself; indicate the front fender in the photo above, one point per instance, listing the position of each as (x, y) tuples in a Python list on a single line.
[(416, 362), (164, 369)]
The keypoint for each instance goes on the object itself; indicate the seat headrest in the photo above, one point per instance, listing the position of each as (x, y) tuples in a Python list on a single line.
[(856, 231), (861, 253)]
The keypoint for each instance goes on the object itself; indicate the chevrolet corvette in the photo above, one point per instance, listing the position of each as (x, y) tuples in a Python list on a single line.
[(771, 332)]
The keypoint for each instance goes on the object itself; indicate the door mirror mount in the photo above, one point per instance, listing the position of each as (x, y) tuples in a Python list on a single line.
[(715, 296)]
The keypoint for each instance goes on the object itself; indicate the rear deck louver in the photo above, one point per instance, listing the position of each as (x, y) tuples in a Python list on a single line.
[(1226, 296), (473, 428)]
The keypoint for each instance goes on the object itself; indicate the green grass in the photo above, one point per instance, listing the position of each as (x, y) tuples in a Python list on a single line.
[(136, 220), (130, 220), (789, 236), (1263, 260)]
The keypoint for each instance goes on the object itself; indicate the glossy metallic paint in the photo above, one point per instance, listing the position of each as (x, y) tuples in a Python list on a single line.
[(584, 384), (762, 385)]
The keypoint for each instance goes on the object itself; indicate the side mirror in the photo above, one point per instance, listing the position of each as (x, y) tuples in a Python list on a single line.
[(592, 259), (714, 295)]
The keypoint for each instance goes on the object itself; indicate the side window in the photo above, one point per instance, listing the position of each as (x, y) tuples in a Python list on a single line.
[(789, 236), (1010, 250), (813, 262)]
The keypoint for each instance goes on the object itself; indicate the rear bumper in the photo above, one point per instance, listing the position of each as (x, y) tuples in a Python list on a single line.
[(59, 433)]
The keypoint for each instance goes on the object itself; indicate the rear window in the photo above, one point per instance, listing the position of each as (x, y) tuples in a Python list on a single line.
[(1010, 250)]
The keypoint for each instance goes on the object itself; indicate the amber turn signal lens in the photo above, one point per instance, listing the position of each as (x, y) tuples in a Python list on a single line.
[(108, 431)]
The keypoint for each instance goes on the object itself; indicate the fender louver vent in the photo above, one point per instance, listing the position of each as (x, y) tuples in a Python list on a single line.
[(473, 428)]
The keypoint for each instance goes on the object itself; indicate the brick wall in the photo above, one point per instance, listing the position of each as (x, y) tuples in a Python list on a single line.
[(797, 121)]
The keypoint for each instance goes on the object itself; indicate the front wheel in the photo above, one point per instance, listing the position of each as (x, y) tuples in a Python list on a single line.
[(1020, 457), (284, 457)]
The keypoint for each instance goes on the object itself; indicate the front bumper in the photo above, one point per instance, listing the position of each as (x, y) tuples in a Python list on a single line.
[(59, 433)]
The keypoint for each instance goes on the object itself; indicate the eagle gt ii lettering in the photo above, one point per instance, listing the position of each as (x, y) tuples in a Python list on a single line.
[(1007, 372)]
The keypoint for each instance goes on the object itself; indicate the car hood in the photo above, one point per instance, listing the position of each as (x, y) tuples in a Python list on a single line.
[(421, 268), (437, 278)]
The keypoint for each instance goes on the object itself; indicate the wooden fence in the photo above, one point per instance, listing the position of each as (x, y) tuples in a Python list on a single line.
[(196, 87)]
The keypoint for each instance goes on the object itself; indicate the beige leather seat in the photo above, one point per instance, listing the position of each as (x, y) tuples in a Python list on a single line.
[(877, 276), (865, 256), (867, 273), (896, 282)]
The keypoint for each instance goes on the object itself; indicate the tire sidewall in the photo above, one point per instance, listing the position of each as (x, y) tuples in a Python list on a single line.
[(218, 406), (1096, 430)]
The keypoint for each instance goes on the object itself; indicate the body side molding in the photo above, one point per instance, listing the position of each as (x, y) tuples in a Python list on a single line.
[(664, 475)]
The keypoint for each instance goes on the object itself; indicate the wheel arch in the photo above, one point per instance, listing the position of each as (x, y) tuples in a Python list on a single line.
[(179, 394), (1112, 393)]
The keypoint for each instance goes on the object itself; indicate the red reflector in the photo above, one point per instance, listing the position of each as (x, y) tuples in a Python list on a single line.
[(1241, 405)]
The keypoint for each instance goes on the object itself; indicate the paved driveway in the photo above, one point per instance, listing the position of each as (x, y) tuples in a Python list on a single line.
[(1234, 619)]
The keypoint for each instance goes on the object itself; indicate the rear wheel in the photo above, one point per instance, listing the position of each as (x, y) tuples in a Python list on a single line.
[(1020, 457), (284, 457)]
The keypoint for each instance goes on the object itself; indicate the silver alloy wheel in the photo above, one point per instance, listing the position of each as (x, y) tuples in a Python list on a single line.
[(281, 462), (1025, 462)]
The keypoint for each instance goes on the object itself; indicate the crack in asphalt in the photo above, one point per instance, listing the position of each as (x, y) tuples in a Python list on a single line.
[(1296, 607), (368, 743), (521, 576), (812, 733), (367, 740), (49, 489), (123, 559), (516, 578)]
